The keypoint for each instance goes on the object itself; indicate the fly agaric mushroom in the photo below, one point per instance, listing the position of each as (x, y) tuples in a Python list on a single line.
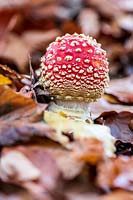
[(74, 70)]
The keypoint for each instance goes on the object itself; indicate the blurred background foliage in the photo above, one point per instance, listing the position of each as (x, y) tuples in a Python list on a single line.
[(28, 26)]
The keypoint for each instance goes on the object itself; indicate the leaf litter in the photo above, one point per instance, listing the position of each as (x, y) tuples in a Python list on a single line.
[(64, 160)]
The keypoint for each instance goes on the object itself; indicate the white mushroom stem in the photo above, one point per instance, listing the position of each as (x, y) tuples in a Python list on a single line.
[(72, 108)]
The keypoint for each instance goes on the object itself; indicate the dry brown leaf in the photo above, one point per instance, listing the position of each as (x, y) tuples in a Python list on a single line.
[(11, 168), (129, 44), (121, 124), (69, 166), (124, 148), (125, 22), (35, 39), (7, 22), (15, 132), (41, 2), (88, 150), (83, 196), (45, 11), (21, 118), (125, 5), (9, 4), (116, 173), (122, 90), (89, 22), (97, 108), (118, 195), (115, 50), (70, 27), (9, 14), (111, 29), (106, 8), (14, 192), (17, 50), (50, 180), (10, 101)]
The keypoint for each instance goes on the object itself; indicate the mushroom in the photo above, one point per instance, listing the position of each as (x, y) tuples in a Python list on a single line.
[(74, 70)]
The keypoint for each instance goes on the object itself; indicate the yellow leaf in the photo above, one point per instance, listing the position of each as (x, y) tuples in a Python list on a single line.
[(4, 80)]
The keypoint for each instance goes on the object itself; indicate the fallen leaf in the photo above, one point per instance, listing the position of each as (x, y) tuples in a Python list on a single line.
[(129, 44), (114, 51), (68, 9), (70, 27), (89, 22), (46, 10), (14, 192), (4, 80), (11, 168), (17, 50), (10, 101), (124, 148), (122, 90), (17, 79), (102, 105), (119, 195), (13, 4), (111, 29), (83, 196), (125, 5), (106, 8), (9, 11), (7, 22), (116, 173), (69, 165), (35, 39), (125, 22), (32, 159), (119, 123), (21, 118), (88, 150)]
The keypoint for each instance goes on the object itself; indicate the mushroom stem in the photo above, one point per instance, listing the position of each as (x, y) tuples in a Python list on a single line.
[(87, 114), (72, 109)]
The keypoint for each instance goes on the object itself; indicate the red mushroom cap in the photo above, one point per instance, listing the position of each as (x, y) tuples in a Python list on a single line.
[(75, 68)]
